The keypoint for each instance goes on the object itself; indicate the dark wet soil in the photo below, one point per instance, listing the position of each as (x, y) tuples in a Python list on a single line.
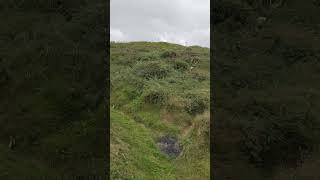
[(169, 145)]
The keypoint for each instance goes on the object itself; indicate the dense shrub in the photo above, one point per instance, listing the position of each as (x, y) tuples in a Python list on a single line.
[(180, 65), (196, 105), (150, 56), (169, 54), (155, 97), (150, 70)]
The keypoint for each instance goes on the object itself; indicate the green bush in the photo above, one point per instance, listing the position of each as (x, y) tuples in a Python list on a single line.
[(149, 70), (155, 97), (196, 105), (149, 56), (169, 54), (180, 65)]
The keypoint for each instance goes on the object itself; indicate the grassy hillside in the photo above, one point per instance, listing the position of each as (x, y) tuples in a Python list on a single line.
[(52, 89), (133, 152), (266, 74), (155, 94)]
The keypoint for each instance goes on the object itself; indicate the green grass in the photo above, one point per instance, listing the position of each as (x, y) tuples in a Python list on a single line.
[(194, 163), (152, 85), (133, 151)]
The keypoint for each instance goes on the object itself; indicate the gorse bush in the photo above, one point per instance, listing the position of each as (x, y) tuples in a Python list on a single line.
[(155, 97), (180, 65), (196, 105), (149, 70), (169, 54), (149, 56)]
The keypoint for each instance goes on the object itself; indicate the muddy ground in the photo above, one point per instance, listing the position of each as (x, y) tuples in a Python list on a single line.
[(169, 145)]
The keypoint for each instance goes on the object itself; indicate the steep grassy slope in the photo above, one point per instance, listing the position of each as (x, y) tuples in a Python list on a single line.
[(133, 152), (266, 78), (156, 93)]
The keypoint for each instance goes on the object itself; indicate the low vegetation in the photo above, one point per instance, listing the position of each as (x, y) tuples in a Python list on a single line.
[(160, 105)]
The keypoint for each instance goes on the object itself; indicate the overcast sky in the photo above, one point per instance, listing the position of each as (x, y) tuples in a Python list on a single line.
[(185, 22)]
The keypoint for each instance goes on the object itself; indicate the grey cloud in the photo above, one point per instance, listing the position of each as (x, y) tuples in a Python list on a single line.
[(177, 21)]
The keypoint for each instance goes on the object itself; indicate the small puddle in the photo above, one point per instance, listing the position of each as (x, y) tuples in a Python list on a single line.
[(169, 145)]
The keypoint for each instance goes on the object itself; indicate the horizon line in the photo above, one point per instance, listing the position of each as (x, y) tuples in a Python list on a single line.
[(113, 41)]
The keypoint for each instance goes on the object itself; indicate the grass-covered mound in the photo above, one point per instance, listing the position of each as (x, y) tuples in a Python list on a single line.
[(159, 90)]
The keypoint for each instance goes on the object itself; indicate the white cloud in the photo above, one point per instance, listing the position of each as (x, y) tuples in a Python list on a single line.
[(116, 35), (184, 22)]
